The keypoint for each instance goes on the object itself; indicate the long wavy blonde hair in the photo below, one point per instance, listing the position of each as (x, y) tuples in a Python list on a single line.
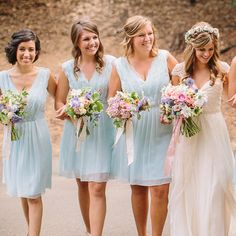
[(76, 30), (131, 29), (199, 39)]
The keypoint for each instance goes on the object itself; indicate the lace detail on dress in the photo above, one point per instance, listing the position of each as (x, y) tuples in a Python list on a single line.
[(224, 67), (178, 70)]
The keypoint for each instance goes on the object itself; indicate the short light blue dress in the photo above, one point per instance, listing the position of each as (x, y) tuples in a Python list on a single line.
[(151, 138), (28, 171), (93, 159)]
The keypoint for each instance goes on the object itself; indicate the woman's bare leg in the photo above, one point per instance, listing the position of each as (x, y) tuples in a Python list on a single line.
[(35, 216), (159, 203), (25, 207), (97, 210), (84, 202), (139, 199)]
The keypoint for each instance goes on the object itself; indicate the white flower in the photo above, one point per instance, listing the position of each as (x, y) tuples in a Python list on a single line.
[(5, 111), (14, 108), (76, 92), (186, 112), (10, 115), (82, 111), (200, 99), (200, 29)]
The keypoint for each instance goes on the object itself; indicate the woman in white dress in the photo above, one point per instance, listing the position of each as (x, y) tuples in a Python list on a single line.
[(202, 201)]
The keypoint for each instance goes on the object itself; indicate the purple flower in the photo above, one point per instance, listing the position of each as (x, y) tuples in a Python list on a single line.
[(165, 100), (1, 107), (15, 118), (96, 116), (140, 104), (189, 82), (75, 102), (88, 95)]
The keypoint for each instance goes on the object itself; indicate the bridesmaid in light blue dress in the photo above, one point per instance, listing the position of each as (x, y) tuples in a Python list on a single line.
[(27, 172), (144, 69), (90, 165)]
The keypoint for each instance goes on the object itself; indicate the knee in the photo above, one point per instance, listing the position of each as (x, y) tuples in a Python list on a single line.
[(83, 186), (35, 201), (139, 190), (160, 192), (97, 190)]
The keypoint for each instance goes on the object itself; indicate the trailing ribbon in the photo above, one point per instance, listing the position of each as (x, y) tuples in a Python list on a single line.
[(6, 150), (129, 139), (81, 131), (172, 146), (119, 132)]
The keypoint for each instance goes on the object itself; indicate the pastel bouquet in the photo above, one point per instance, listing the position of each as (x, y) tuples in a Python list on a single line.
[(182, 103), (12, 110), (82, 105), (124, 106)]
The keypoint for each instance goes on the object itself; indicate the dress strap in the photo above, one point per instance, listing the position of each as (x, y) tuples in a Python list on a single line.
[(67, 68), (224, 67)]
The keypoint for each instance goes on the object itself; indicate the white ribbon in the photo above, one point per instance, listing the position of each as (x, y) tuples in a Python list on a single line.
[(127, 127), (81, 134), (129, 141), (6, 149), (119, 132)]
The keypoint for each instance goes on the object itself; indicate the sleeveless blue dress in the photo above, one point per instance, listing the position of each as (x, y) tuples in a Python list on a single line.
[(151, 138), (93, 160), (28, 171)]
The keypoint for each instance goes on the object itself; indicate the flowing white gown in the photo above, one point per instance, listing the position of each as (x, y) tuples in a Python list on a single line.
[(202, 199)]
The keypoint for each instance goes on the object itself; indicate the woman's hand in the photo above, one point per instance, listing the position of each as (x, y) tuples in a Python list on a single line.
[(232, 101), (61, 114)]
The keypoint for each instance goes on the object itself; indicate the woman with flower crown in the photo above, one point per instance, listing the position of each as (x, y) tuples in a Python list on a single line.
[(27, 171), (202, 199), (90, 164), (144, 69)]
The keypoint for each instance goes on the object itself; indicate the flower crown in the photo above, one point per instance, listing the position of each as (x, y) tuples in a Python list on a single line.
[(200, 29)]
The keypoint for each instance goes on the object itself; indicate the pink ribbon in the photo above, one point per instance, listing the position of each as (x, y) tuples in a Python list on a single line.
[(172, 146)]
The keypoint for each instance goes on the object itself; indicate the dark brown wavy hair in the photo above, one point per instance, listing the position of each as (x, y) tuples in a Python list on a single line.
[(18, 37)]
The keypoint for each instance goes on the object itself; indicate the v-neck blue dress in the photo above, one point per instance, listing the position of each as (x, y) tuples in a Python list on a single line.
[(93, 160), (151, 138), (28, 170)]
